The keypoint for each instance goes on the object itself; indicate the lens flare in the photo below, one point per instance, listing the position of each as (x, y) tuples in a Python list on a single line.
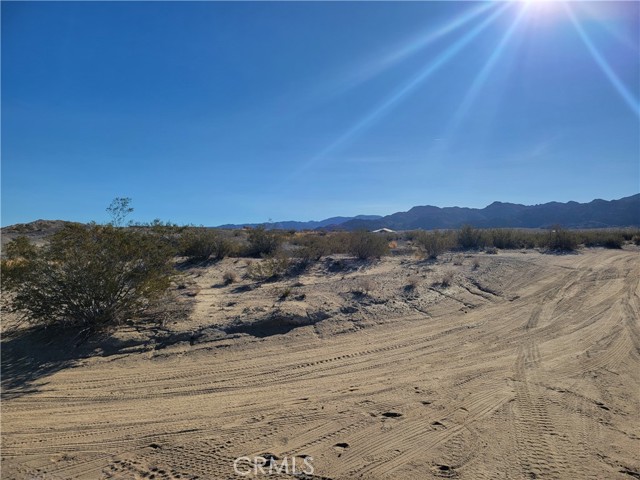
[(483, 75), (410, 48), (390, 102), (604, 66)]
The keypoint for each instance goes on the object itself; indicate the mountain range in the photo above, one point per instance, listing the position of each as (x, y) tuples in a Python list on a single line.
[(598, 213), (310, 225)]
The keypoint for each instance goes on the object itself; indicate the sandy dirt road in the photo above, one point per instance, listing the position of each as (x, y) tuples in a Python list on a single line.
[(537, 379)]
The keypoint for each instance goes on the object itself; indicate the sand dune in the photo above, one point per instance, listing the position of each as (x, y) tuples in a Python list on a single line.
[(527, 366)]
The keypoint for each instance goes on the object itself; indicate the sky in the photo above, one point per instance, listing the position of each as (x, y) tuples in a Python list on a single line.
[(211, 112)]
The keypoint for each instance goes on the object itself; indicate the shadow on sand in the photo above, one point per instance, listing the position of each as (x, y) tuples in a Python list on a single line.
[(32, 354)]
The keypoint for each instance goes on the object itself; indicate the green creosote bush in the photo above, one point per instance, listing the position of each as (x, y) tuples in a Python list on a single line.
[(560, 240), (470, 238), (600, 238), (263, 242), (366, 245), (201, 244), (509, 238), (313, 247), (434, 243), (87, 277)]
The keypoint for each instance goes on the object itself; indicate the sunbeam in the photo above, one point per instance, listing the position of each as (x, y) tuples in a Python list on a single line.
[(408, 49), (483, 75), (604, 66), (431, 68)]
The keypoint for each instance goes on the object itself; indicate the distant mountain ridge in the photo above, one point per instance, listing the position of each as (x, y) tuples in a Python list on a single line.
[(310, 225), (624, 212), (598, 213)]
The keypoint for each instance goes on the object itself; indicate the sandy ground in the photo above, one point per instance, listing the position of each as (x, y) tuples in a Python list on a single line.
[(526, 366)]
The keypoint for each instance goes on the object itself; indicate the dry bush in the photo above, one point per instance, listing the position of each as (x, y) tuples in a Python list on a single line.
[(263, 242), (269, 269), (606, 238), (363, 286), (508, 238), (560, 240), (201, 244), (433, 243), (229, 277), (284, 293), (366, 245), (312, 247), (413, 282), (446, 280), (470, 238)]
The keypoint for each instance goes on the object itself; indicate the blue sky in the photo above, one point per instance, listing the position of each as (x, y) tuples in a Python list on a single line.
[(212, 112)]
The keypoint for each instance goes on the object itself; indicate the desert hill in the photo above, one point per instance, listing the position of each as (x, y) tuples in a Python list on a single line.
[(624, 212)]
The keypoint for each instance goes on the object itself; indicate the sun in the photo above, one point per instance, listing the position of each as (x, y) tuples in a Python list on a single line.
[(541, 8)]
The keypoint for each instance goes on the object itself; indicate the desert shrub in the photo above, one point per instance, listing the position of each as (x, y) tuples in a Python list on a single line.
[(229, 277), (613, 243), (412, 283), (446, 280), (502, 238), (433, 243), (313, 247), (16, 266), (88, 277), (470, 238), (263, 242), (366, 245), (558, 239), (119, 209), (363, 286), (628, 234), (201, 244), (284, 293), (269, 268), (21, 247), (170, 233), (602, 238), (508, 238)]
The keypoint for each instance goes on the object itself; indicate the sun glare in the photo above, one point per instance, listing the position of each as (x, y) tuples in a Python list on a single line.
[(540, 7)]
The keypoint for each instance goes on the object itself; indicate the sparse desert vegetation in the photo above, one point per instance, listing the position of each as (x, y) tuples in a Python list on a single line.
[(134, 264), (458, 343)]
